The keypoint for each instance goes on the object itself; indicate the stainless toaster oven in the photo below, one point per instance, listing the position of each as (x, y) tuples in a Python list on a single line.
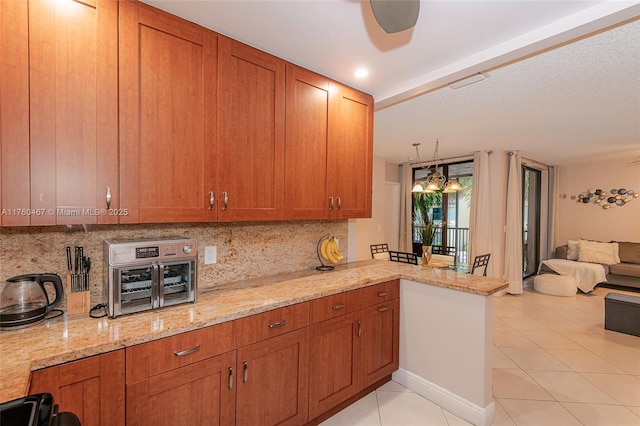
[(141, 275)]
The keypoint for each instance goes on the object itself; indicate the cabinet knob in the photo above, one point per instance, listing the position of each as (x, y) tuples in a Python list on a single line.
[(330, 203), (337, 307), (339, 203), (230, 385), (212, 200), (245, 367), (225, 200)]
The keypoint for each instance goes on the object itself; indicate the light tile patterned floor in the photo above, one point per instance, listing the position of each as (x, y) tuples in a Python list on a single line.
[(554, 364)]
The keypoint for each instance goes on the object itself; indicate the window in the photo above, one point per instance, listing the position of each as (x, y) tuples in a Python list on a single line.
[(449, 213)]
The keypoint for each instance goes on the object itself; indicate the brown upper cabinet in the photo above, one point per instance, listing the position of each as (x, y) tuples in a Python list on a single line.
[(167, 117), (307, 124), (117, 112), (14, 112), (350, 159), (59, 149), (251, 133), (329, 129)]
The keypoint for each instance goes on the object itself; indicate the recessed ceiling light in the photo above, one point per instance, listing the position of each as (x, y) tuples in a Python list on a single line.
[(361, 72)]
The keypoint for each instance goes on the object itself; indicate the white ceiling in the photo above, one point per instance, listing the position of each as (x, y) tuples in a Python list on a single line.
[(568, 104)]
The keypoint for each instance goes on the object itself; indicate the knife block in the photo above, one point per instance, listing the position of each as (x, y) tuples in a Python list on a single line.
[(78, 302)]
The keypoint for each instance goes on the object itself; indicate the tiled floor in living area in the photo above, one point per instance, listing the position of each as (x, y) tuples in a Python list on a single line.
[(554, 364)]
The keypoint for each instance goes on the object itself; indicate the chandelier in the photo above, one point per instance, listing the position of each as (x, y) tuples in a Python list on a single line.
[(435, 181)]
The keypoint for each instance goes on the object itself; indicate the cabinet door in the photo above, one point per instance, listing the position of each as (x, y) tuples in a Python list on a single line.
[(73, 83), (92, 388), (199, 394), (251, 133), (167, 117), (272, 381), (380, 341), (351, 152), (334, 362), (307, 127), (14, 112)]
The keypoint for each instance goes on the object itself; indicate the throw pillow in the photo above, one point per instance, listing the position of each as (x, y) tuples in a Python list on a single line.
[(574, 248), (629, 252), (597, 252)]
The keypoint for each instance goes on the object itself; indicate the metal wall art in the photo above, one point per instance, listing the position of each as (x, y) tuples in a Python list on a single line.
[(615, 197)]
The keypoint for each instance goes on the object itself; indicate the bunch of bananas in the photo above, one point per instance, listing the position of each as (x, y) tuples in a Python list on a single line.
[(330, 251)]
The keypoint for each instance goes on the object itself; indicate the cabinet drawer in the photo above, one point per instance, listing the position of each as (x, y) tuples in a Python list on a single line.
[(159, 356), (334, 306), (380, 293), (273, 323)]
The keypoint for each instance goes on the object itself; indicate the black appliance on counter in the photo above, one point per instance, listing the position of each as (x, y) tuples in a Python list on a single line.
[(35, 410), (140, 275)]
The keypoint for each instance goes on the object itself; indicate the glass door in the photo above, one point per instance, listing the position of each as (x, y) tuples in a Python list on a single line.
[(531, 199), (134, 288), (178, 283)]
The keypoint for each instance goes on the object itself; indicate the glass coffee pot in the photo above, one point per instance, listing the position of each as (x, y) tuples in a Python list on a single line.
[(24, 300)]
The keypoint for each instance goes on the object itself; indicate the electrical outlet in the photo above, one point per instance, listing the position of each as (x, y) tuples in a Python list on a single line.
[(210, 255)]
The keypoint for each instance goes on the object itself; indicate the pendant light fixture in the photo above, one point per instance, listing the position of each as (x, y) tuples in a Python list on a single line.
[(435, 181)]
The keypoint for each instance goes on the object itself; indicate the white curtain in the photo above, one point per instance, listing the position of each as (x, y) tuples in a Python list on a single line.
[(552, 239), (480, 227), (406, 209), (513, 227)]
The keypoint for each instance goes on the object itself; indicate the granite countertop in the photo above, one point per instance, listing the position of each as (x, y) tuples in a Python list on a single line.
[(64, 339)]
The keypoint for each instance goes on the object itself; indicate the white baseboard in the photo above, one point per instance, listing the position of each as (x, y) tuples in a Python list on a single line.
[(479, 416)]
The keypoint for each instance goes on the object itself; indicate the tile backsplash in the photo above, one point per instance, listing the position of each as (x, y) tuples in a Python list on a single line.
[(245, 250)]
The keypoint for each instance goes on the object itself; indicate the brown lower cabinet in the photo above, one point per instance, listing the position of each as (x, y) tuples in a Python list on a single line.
[(92, 388), (272, 381), (334, 363), (287, 367), (199, 394), (353, 351)]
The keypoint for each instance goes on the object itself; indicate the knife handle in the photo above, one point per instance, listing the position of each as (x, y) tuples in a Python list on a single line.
[(69, 266)]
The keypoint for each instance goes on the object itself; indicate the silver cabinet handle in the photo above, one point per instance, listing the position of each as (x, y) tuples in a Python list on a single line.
[(359, 328), (246, 371), (230, 385), (108, 197), (330, 203), (277, 324), (196, 348), (339, 203), (337, 307), (212, 200), (383, 294), (225, 197), (383, 308)]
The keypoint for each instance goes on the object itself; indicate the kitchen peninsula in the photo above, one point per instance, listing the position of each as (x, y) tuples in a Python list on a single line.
[(445, 328)]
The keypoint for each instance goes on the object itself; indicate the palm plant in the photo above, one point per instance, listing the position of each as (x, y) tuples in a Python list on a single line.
[(427, 233), (421, 205)]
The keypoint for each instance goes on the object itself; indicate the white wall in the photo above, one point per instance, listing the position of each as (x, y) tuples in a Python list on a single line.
[(445, 348), (380, 228), (577, 220)]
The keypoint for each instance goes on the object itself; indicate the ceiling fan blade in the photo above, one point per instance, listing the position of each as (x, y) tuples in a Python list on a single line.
[(395, 15)]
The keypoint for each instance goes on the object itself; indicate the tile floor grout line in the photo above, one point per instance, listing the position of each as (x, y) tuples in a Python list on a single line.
[(379, 413)]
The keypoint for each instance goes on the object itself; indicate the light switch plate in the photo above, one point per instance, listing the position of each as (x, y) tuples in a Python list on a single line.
[(210, 255)]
